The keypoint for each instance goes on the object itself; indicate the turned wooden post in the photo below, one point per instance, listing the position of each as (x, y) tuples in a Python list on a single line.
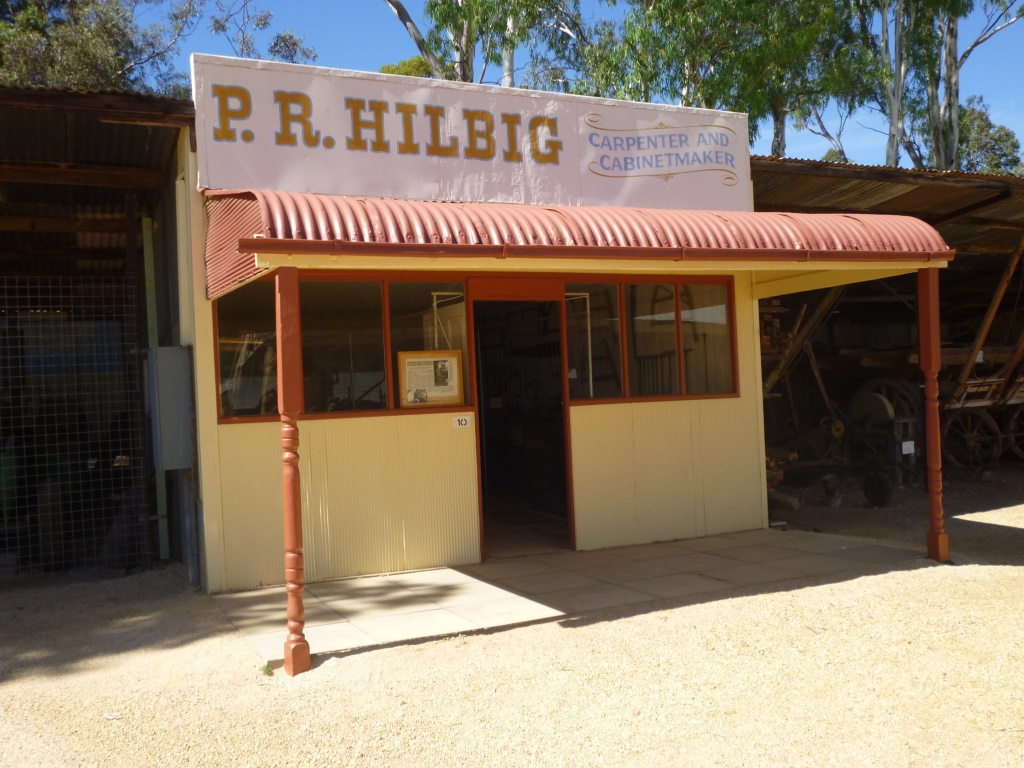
[(931, 362), (289, 404)]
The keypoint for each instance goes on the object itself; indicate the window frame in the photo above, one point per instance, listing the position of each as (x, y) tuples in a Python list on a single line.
[(469, 281)]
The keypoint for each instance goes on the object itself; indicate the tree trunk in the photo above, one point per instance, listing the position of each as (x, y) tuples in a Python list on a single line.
[(508, 57), (951, 95), (436, 68), (897, 65), (779, 113)]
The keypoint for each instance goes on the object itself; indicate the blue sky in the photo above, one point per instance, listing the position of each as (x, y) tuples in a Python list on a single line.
[(365, 34)]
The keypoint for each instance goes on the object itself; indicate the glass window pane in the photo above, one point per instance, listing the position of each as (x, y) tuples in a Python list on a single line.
[(247, 349), (653, 355), (429, 317), (592, 334), (707, 340), (343, 346)]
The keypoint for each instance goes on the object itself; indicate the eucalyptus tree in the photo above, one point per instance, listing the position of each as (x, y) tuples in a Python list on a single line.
[(240, 21), (915, 63), (985, 147), (773, 59), (93, 44), (461, 31)]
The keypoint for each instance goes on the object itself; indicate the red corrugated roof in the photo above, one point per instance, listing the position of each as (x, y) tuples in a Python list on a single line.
[(335, 224)]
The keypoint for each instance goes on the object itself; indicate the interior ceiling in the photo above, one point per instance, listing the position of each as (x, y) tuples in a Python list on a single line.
[(980, 217), (73, 167)]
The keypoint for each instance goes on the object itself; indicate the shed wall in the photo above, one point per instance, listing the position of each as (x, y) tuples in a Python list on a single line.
[(379, 494), (658, 471)]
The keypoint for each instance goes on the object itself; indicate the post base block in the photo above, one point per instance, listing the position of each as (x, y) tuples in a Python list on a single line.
[(938, 546), (296, 657)]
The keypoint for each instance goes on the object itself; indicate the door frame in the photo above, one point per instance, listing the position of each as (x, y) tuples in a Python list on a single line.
[(514, 288)]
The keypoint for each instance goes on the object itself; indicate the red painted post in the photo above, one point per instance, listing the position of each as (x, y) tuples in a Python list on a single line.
[(289, 404), (931, 362)]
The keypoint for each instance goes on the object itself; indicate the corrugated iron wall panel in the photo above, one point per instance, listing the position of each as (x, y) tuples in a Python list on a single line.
[(670, 491), (389, 494), (231, 218), (250, 476), (604, 475), (667, 470), (379, 495)]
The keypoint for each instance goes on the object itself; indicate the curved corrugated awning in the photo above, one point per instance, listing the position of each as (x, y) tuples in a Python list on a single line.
[(245, 222)]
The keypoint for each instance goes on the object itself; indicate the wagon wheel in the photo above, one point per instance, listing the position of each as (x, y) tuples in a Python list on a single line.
[(1013, 431), (904, 396), (971, 439)]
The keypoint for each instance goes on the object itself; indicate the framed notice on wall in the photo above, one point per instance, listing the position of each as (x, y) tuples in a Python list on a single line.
[(430, 377)]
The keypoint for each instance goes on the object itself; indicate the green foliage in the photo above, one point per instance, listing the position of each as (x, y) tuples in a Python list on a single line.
[(834, 156), (267, 670), (984, 146), (99, 44), (95, 44), (415, 66)]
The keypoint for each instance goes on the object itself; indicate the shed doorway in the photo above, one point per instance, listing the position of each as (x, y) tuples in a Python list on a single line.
[(522, 427)]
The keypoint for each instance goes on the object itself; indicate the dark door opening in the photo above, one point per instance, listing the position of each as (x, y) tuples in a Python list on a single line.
[(522, 431)]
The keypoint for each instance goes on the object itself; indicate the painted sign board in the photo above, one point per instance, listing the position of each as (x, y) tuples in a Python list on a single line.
[(265, 125)]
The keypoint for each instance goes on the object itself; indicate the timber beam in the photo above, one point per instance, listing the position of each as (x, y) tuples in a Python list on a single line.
[(76, 174), (62, 224)]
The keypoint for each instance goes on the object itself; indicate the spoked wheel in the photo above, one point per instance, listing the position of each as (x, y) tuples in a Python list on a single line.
[(1013, 431), (904, 397), (971, 439)]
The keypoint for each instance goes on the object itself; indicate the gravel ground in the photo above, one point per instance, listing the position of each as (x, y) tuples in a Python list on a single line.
[(915, 667)]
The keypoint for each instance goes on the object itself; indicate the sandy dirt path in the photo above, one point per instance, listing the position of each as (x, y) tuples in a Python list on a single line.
[(915, 667)]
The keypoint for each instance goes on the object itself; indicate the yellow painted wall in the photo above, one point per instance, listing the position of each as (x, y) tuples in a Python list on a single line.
[(380, 494), (667, 470)]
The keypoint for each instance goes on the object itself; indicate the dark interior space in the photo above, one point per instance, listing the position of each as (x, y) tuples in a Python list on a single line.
[(522, 434)]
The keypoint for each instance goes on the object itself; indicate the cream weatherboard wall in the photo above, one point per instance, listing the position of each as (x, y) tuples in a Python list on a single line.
[(676, 469), (387, 493), (379, 494)]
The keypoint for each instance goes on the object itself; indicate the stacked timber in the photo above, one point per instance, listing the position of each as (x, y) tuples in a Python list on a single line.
[(774, 339)]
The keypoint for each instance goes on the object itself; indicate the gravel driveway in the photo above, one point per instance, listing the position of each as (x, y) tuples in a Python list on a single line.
[(913, 667)]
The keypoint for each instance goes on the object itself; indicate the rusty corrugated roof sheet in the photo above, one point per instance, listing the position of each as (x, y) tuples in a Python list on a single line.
[(289, 222)]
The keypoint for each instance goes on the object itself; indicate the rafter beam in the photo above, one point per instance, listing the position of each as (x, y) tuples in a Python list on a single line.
[(759, 165), (55, 252), (124, 177), (62, 224), (137, 109)]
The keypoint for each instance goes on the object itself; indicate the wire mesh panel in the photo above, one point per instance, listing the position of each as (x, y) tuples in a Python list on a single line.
[(72, 477)]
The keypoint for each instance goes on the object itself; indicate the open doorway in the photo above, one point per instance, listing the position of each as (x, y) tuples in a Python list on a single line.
[(522, 431)]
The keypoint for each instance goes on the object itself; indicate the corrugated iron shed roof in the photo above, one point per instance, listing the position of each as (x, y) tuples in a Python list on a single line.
[(291, 222)]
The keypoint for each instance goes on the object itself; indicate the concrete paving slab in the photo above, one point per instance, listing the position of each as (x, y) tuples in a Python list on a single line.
[(398, 602), (507, 569), (574, 561), (813, 564), (340, 636), (506, 611), (677, 585), (750, 573), (413, 626), (644, 551), (594, 598), (757, 553), (548, 582), (618, 574), (706, 544), (691, 562)]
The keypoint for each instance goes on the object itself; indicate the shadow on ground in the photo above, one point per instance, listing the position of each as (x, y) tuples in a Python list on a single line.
[(984, 517), (54, 624)]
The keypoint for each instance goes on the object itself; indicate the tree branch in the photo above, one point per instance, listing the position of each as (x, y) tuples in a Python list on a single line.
[(414, 32)]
